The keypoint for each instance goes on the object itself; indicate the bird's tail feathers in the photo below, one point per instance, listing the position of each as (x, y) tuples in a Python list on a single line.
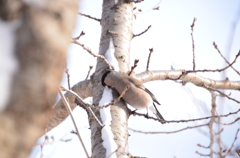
[(157, 113)]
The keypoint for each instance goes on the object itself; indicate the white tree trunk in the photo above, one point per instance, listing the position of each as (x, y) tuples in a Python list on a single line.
[(116, 22)]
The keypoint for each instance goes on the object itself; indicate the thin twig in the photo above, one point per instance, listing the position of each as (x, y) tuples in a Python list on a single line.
[(78, 37), (202, 154), (88, 16), (206, 147), (74, 122), (84, 105), (217, 70), (149, 56), (222, 94), (216, 47), (135, 35), (193, 46), (133, 67), (189, 127), (54, 141), (229, 150), (230, 122), (68, 76), (156, 7), (190, 120), (90, 68), (42, 146), (114, 101), (95, 55)]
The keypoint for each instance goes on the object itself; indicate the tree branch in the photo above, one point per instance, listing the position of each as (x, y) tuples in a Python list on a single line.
[(83, 89), (217, 70), (90, 52), (216, 47), (190, 77), (74, 122), (149, 56), (88, 16), (193, 46), (135, 35), (183, 129), (189, 120)]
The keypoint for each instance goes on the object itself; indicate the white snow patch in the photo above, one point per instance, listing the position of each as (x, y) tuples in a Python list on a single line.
[(107, 135), (8, 62), (110, 56)]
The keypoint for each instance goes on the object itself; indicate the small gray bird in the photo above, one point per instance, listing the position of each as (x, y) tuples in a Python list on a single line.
[(137, 95)]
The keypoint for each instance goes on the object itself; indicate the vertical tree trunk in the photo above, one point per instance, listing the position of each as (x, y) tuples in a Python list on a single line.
[(116, 22), (41, 44)]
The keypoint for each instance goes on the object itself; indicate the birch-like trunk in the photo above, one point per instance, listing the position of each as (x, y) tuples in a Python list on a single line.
[(42, 39), (116, 22)]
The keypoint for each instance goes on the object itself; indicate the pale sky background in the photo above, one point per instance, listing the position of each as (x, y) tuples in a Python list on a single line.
[(171, 40)]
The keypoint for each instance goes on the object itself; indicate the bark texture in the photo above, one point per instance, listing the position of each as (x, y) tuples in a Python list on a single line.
[(83, 89), (116, 22), (42, 40)]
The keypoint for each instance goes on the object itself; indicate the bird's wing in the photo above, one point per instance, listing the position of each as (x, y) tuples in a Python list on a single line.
[(139, 84), (153, 97)]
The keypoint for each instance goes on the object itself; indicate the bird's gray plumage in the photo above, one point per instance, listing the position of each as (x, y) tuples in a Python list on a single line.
[(138, 96)]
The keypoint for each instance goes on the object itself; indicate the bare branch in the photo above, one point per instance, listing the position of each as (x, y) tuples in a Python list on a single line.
[(149, 56), (156, 7), (114, 101), (230, 122), (135, 35), (202, 154), (53, 141), (90, 52), (193, 46), (90, 68), (84, 105), (190, 77), (133, 67), (223, 94), (88, 16), (229, 150), (78, 37), (74, 122), (217, 70), (216, 47), (189, 120), (68, 76), (206, 147), (189, 127)]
